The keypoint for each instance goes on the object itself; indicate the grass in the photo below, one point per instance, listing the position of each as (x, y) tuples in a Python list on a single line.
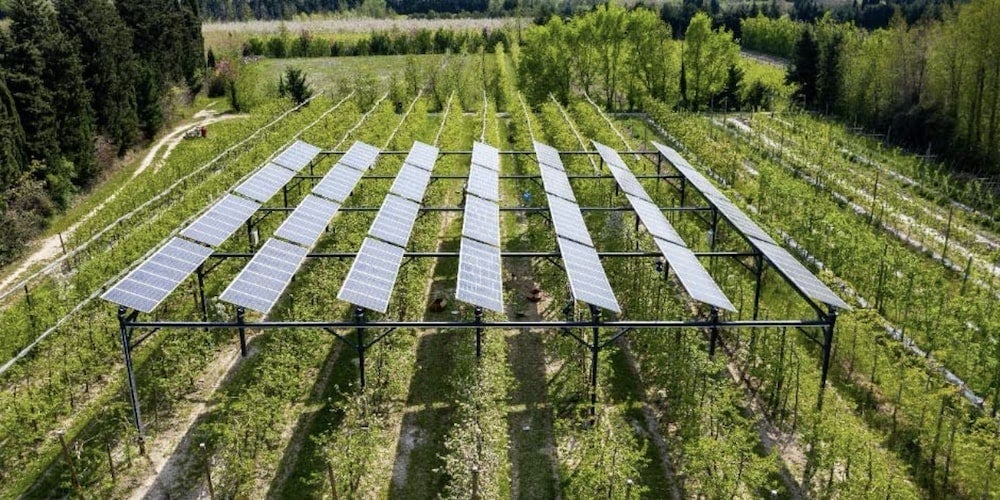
[(330, 73)]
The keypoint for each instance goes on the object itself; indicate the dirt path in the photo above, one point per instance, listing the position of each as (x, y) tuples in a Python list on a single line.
[(51, 247)]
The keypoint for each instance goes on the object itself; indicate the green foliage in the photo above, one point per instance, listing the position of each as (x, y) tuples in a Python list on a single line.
[(294, 86), (707, 56), (804, 68), (771, 36)]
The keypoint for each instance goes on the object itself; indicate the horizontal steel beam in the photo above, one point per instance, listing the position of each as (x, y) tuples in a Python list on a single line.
[(466, 325), (508, 255)]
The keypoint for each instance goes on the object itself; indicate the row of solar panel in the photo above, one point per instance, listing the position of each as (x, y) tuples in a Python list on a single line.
[(587, 279), (480, 280), (693, 276), (784, 262), (264, 279), (373, 273), (154, 279)]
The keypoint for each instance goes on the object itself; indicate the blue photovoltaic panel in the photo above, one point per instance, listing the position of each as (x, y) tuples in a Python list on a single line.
[(548, 155), (370, 281), (308, 221), (267, 181), (479, 277), (338, 183), (147, 285), (484, 183), (556, 182), (693, 276), (796, 273), (481, 220), (261, 283), (654, 221), (610, 156), (422, 155), (221, 221), (297, 156), (628, 182), (485, 155), (360, 156), (395, 220), (568, 220), (411, 182), (587, 279)]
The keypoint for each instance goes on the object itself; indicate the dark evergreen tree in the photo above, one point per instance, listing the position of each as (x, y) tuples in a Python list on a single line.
[(11, 138), (294, 86), (730, 96), (828, 79), (210, 60), (804, 67), (109, 68)]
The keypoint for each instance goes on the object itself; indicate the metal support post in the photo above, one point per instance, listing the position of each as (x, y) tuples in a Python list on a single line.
[(479, 333), (240, 312), (125, 334), (595, 349), (759, 271), (284, 195), (359, 318), (250, 235), (714, 337), (201, 293), (827, 352), (683, 189)]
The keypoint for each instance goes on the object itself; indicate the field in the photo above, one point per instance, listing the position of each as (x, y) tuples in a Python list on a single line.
[(909, 411)]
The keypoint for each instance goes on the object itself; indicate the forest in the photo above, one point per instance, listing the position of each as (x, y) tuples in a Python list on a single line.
[(82, 82)]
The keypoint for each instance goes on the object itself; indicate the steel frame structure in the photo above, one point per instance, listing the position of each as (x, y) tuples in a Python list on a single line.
[(361, 334)]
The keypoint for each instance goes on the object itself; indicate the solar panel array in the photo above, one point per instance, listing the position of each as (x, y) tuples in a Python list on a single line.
[(146, 286), (221, 221), (587, 279), (693, 277), (262, 281), (797, 274), (297, 156), (308, 221), (480, 279), (373, 274), (302, 228)]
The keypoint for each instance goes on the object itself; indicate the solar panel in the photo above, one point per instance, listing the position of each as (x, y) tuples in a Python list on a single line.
[(395, 220), (610, 156), (587, 279), (411, 182), (548, 155), (422, 155), (481, 220), (147, 285), (308, 221), (556, 182), (693, 276), (371, 278), (484, 183), (479, 279), (267, 181), (485, 155), (568, 220), (338, 183), (787, 265), (297, 156), (652, 217), (360, 156), (261, 283), (221, 221), (798, 274), (628, 182)]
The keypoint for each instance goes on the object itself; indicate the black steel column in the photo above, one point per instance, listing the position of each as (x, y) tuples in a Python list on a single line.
[(240, 311), (359, 318), (714, 336), (595, 349), (827, 352), (126, 339), (479, 333), (759, 268), (201, 293)]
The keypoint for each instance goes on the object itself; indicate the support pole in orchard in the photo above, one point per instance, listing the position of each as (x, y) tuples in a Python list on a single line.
[(595, 349), (359, 319), (240, 313), (714, 334), (479, 333), (201, 293), (125, 335), (827, 352), (759, 274)]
